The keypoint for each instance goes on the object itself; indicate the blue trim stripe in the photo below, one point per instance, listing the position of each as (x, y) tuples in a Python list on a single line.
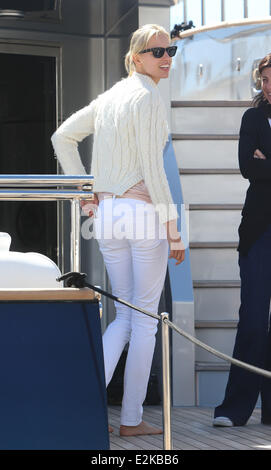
[(180, 276)]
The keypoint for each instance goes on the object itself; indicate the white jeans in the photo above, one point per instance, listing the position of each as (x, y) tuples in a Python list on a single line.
[(136, 269)]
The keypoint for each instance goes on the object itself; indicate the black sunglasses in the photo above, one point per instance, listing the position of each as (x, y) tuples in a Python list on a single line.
[(158, 52)]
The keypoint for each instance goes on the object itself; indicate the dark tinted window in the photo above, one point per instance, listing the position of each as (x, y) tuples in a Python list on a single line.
[(27, 5)]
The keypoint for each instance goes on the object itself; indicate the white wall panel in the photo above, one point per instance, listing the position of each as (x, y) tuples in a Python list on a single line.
[(214, 225), (214, 264), (206, 153), (220, 339), (213, 304), (203, 120), (214, 189)]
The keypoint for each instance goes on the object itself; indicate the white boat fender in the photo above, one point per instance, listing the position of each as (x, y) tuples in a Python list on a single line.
[(5, 241), (26, 270)]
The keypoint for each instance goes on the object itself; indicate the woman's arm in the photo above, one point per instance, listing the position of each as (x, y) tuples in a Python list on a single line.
[(151, 135), (252, 168), (66, 138)]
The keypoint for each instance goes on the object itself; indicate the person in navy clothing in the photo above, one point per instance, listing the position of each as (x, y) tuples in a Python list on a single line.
[(253, 339)]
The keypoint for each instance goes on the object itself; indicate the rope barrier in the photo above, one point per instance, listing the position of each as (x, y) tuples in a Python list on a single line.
[(78, 280), (225, 357)]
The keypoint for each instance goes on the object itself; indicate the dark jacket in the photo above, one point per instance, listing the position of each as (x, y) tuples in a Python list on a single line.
[(255, 133)]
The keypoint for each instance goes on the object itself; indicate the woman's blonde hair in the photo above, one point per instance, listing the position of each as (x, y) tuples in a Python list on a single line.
[(139, 42)]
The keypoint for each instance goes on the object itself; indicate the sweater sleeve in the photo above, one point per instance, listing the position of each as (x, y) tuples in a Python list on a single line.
[(66, 138), (252, 168), (151, 135)]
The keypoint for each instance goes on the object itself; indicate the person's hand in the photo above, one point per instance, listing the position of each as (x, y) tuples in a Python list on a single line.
[(89, 207), (176, 246), (258, 154), (177, 250)]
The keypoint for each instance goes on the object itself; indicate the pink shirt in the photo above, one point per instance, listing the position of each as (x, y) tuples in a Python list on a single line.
[(138, 191)]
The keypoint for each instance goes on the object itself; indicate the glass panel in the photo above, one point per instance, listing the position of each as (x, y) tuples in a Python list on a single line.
[(194, 12), (258, 9), (27, 5), (212, 12), (27, 121), (234, 10), (176, 14)]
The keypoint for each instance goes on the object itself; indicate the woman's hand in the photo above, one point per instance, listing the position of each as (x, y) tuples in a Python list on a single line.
[(89, 207), (177, 251), (258, 154), (176, 246)]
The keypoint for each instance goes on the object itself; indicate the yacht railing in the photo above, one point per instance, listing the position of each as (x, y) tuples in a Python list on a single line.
[(62, 187), (184, 10)]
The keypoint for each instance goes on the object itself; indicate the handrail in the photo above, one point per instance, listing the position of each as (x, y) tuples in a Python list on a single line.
[(221, 25), (47, 180), (43, 194), (26, 183), (245, 16)]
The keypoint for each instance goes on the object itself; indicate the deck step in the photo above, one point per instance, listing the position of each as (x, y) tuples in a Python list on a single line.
[(209, 171), (210, 104), (207, 119), (221, 188), (209, 366), (214, 226), (176, 136), (216, 323), (215, 207), (206, 154), (227, 284), (205, 137), (205, 245), (214, 264), (221, 339), (215, 303)]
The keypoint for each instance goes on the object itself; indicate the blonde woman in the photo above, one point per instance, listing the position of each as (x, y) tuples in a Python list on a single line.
[(130, 131)]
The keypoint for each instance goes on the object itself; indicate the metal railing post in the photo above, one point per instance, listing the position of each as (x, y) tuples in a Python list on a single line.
[(245, 9), (185, 11), (222, 8), (166, 383), (203, 16), (75, 235)]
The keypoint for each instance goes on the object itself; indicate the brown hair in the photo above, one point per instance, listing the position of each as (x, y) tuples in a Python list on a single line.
[(259, 99)]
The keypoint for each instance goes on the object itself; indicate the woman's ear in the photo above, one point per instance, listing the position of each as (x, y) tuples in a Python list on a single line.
[(136, 59)]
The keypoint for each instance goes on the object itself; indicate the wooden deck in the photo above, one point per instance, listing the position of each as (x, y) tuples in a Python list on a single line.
[(192, 430)]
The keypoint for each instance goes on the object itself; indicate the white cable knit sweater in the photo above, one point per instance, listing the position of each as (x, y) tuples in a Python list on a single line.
[(130, 131)]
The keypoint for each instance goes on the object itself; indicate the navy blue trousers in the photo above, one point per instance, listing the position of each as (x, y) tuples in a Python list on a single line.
[(253, 338)]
